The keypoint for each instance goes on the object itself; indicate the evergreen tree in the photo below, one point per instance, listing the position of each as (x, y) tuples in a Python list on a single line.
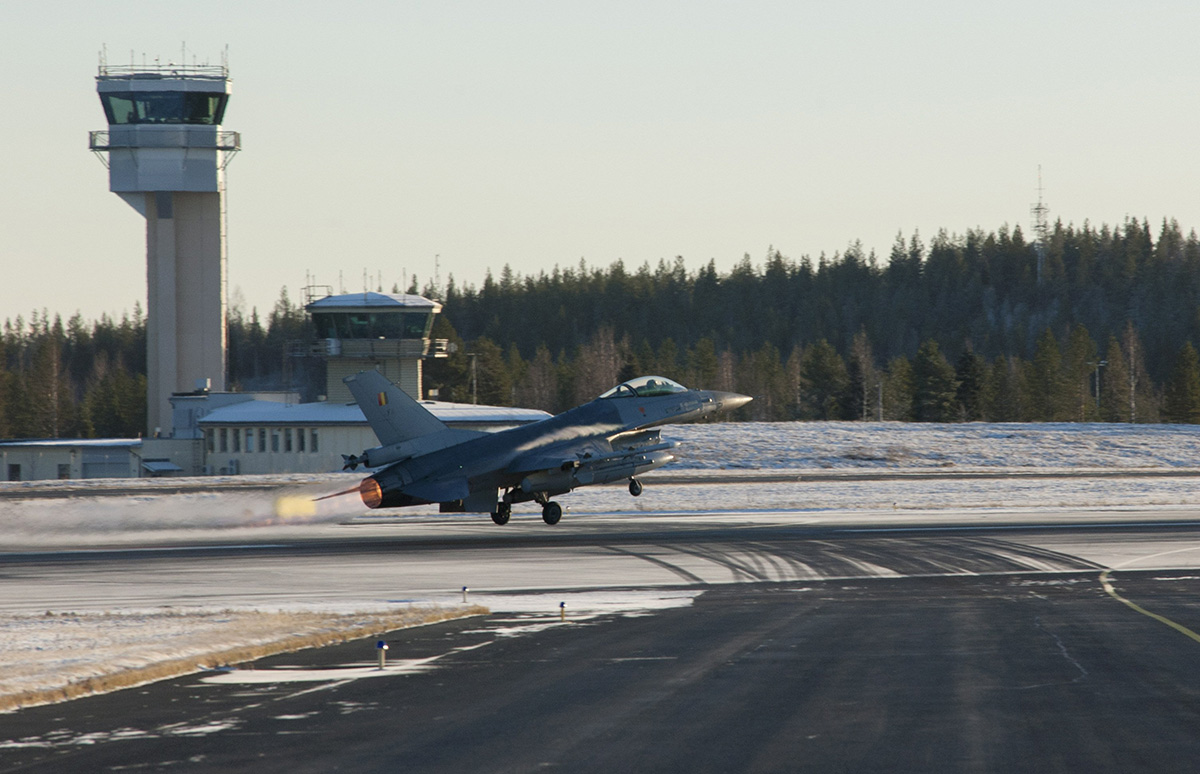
[(666, 360), (50, 407), (1181, 401), (702, 364), (1078, 367), (971, 373), (795, 385), (5, 378), (934, 385), (115, 402), (822, 381), (898, 390), (762, 376), (1006, 390), (448, 377), (1114, 385), (493, 385), (1048, 388)]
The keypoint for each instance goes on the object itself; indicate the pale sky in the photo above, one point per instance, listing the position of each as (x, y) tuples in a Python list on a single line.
[(377, 135)]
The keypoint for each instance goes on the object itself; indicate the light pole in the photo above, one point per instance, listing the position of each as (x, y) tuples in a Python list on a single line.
[(1098, 365)]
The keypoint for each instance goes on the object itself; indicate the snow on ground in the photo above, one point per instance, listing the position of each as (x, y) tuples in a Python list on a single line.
[(44, 651), (53, 656), (896, 445), (782, 449)]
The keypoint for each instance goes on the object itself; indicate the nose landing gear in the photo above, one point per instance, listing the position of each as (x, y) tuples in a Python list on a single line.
[(635, 487)]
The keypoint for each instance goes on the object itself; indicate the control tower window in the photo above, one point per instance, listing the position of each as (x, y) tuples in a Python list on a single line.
[(164, 107), (417, 324), (366, 325)]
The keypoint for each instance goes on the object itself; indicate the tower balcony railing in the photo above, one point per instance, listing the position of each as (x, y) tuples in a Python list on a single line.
[(218, 72), (104, 140), (370, 348)]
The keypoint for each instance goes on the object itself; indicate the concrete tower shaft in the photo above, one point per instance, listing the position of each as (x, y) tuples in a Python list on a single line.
[(166, 155)]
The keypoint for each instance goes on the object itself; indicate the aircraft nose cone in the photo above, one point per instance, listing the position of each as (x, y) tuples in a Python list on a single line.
[(728, 401)]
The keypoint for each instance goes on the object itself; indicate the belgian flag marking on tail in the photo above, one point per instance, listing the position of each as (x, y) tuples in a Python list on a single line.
[(383, 399)]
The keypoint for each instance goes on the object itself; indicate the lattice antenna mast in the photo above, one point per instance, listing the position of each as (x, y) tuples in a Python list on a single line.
[(1040, 213)]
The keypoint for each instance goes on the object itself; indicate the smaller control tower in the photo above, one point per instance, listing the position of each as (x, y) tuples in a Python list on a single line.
[(388, 332), (166, 156)]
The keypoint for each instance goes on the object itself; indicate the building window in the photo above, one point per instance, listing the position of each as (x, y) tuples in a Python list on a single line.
[(313, 446), (300, 439), (64, 472), (287, 439), (237, 439), (210, 438), (14, 472), (249, 440), (275, 439), (223, 433), (262, 439)]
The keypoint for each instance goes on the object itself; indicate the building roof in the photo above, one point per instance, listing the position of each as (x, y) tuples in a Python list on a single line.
[(372, 300), (258, 412), (60, 443)]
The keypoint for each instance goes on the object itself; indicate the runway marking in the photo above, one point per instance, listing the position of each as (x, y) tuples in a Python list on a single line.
[(1112, 592), (1108, 587)]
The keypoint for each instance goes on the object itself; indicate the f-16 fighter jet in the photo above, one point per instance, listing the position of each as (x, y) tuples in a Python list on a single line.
[(422, 461)]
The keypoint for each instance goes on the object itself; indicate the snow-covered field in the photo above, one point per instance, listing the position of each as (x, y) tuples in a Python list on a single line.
[(774, 459), (791, 454), (54, 656), (894, 446)]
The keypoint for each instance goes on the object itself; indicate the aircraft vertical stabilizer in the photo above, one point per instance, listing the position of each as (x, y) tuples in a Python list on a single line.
[(393, 415)]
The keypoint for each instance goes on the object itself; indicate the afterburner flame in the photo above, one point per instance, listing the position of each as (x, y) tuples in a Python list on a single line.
[(370, 492)]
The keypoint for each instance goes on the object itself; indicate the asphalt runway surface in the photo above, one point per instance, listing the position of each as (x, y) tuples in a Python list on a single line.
[(948, 641)]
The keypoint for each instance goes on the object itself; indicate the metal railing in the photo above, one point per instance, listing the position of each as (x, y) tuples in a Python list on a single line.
[(160, 70), (368, 348), (102, 141)]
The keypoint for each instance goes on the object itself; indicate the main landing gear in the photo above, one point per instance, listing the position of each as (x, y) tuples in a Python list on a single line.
[(551, 513)]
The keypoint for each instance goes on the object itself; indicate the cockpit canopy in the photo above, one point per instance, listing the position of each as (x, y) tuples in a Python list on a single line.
[(645, 387)]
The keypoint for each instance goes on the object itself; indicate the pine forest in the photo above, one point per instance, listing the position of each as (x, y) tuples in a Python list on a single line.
[(1091, 325)]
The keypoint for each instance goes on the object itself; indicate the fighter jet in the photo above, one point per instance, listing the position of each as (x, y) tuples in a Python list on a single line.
[(422, 461)]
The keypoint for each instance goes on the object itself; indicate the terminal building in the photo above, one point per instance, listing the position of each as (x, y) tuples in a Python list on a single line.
[(272, 433)]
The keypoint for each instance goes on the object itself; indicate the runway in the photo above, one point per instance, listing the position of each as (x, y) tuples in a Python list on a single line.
[(369, 563), (770, 641)]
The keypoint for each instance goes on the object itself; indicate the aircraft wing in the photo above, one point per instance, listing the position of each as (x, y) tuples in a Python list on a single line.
[(560, 456), (590, 452)]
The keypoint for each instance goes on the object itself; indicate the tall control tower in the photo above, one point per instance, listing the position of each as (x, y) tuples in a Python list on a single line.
[(166, 157)]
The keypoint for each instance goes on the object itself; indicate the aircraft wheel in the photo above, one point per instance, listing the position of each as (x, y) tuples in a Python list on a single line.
[(502, 513), (551, 513), (635, 487)]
